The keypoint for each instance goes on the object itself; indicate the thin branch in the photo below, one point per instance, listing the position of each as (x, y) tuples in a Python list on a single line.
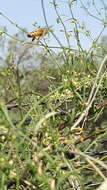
[(92, 95), (76, 28), (85, 8), (13, 23), (56, 38), (65, 31)]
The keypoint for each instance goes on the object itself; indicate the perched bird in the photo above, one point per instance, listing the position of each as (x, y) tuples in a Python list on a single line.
[(40, 32)]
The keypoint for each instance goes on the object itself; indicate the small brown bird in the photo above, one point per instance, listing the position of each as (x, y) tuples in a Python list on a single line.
[(40, 32)]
